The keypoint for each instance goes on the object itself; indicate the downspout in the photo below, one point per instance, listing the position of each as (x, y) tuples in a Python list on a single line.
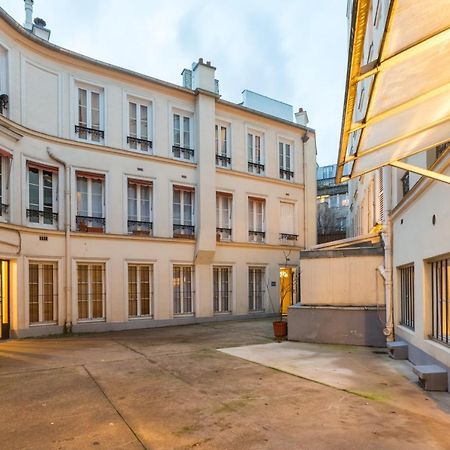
[(67, 252)]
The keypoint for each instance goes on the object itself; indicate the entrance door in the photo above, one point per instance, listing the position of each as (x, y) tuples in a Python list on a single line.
[(287, 288), (4, 299)]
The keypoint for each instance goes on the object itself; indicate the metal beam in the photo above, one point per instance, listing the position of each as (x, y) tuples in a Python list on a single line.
[(424, 172)]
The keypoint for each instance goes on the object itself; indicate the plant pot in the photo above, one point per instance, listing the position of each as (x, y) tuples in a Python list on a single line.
[(280, 329)]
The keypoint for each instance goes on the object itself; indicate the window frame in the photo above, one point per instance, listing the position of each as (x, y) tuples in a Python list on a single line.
[(139, 102), (139, 183), (406, 276), (225, 232), (104, 293), (252, 298), (286, 172), (183, 190), (90, 89), (183, 311), (251, 222), (181, 147), (151, 271), (220, 300), (98, 177), (255, 166), (223, 160), (5, 175)]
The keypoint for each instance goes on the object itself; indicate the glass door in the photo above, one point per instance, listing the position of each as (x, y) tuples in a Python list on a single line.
[(4, 299)]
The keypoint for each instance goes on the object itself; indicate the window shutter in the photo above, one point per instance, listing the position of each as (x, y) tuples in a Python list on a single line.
[(287, 217)]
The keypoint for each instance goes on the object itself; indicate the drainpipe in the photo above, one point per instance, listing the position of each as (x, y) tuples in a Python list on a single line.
[(67, 253)]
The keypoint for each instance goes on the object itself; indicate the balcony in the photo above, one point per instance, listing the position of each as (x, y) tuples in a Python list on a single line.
[(257, 168), (286, 174), (223, 234), (88, 224), (93, 132), (143, 143), (288, 237), (42, 217), (139, 228), (223, 161), (184, 231), (183, 152), (256, 236)]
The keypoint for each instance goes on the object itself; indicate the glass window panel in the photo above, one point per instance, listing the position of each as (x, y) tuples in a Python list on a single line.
[(97, 198), (224, 141), (145, 204), (133, 122), (83, 297), (144, 123), (97, 291), (217, 139), (250, 147), (132, 201), (177, 207), (132, 290), (49, 294), (33, 284), (82, 107), (186, 134), (82, 196), (176, 130), (33, 189)]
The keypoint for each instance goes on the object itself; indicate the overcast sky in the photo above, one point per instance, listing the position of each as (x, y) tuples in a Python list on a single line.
[(292, 50)]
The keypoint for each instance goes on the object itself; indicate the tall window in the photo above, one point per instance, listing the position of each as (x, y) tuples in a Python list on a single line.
[(4, 103), (223, 216), (182, 137), (139, 207), (256, 288), (91, 291), (140, 290), (222, 289), (90, 114), (223, 155), (287, 221), (43, 291), (255, 154), (183, 212), (42, 194), (285, 160), (4, 177), (183, 290), (407, 296), (440, 300), (139, 126), (256, 225), (90, 202)]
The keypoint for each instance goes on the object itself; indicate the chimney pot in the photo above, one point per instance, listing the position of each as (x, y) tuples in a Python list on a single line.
[(200, 60)]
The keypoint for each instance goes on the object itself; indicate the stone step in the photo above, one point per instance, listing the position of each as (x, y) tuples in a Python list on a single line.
[(432, 377), (398, 349)]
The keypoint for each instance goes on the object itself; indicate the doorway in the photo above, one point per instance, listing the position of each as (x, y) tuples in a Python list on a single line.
[(288, 287), (4, 300)]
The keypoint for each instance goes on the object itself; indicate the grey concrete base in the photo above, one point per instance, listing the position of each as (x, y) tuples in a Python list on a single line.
[(398, 349), (432, 377), (351, 325), (135, 324)]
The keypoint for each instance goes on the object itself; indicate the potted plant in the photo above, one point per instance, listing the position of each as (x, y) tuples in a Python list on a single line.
[(280, 325)]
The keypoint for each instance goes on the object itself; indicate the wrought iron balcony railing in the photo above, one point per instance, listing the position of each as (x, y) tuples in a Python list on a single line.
[(188, 153), (144, 143), (223, 234), (223, 161), (140, 228), (45, 217), (288, 237), (254, 167), (286, 174), (90, 224), (84, 131), (256, 236), (184, 231)]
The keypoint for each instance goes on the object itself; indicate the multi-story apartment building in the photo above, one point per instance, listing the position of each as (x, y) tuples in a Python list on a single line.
[(127, 201), (332, 206), (396, 118)]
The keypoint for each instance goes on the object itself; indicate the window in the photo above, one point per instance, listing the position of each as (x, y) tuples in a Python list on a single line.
[(91, 291), (4, 182), (405, 183), (43, 291), (90, 202), (223, 156), (377, 15), (90, 115), (140, 290), (183, 212), (4, 101), (139, 126), (255, 154), (256, 288), (183, 290), (407, 296), (223, 216), (140, 207), (42, 194), (287, 221), (440, 300), (182, 137), (285, 159), (222, 289), (256, 211)]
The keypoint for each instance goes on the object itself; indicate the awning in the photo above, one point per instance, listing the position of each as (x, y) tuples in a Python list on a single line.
[(5, 153), (407, 86)]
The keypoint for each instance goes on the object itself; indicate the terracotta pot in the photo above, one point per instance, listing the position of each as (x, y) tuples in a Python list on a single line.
[(280, 329)]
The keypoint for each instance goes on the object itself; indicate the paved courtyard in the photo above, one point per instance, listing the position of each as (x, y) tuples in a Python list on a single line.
[(171, 389)]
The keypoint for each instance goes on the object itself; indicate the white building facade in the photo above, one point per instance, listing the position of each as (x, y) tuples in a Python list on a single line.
[(130, 202)]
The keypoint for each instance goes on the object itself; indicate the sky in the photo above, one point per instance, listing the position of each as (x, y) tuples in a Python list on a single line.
[(291, 50)]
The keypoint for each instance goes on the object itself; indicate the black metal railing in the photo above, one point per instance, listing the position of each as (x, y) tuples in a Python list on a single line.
[(405, 183), (223, 234), (256, 236), (286, 174), (254, 167), (440, 300), (144, 143), (184, 231), (84, 131), (288, 236), (3, 209), (138, 227), (90, 224), (223, 161), (45, 217), (407, 296), (188, 153)]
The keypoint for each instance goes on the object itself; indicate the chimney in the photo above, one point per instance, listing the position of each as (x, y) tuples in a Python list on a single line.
[(187, 78), (28, 14), (203, 76), (39, 29), (301, 117)]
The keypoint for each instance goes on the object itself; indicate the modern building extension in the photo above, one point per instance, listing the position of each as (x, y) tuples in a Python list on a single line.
[(127, 201)]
